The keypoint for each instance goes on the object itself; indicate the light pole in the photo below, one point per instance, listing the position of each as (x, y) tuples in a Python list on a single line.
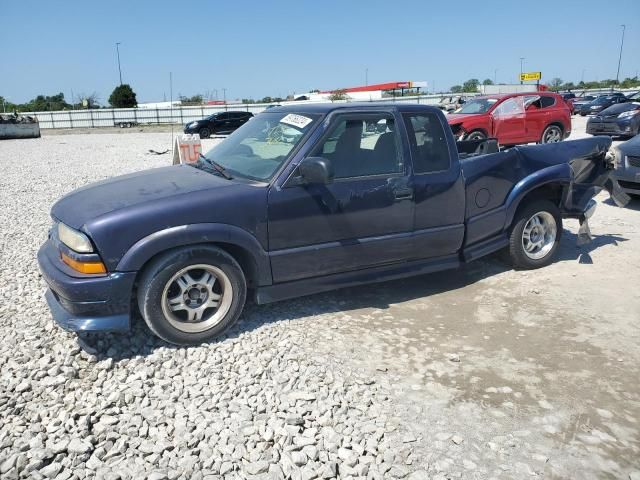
[(521, 66), (118, 53), (620, 57), (495, 76), (224, 95)]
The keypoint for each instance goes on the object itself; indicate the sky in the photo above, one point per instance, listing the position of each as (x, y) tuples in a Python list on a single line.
[(279, 47)]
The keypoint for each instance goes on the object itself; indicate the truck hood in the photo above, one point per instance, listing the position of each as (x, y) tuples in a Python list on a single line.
[(98, 199)]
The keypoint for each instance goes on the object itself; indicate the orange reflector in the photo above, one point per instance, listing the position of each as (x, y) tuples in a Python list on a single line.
[(84, 267)]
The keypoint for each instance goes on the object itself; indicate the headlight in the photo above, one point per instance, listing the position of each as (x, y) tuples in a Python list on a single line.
[(630, 113), (74, 239), (594, 107)]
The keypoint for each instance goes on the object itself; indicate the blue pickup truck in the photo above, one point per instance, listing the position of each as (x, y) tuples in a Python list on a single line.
[(303, 199)]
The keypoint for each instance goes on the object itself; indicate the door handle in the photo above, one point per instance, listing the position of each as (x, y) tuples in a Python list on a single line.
[(403, 193)]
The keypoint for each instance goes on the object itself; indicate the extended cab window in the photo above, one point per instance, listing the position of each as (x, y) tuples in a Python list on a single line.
[(429, 149), (362, 145)]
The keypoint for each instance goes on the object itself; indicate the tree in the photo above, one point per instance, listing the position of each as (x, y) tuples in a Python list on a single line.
[(471, 85), (123, 96), (487, 81), (92, 100), (193, 100), (340, 94), (456, 89), (555, 83)]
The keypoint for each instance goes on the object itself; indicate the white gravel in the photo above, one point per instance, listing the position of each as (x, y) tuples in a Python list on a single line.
[(478, 373)]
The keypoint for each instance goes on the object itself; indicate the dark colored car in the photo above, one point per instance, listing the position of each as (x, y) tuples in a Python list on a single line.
[(627, 166), (622, 119), (513, 119), (579, 102), (304, 199), (218, 123), (602, 102)]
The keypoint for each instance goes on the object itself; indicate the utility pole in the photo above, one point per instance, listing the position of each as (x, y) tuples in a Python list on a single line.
[(118, 53), (620, 57), (521, 64)]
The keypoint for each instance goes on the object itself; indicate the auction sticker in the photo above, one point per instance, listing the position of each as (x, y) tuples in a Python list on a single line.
[(298, 121)]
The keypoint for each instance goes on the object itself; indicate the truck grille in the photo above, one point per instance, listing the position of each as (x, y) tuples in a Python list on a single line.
[(633, 161)]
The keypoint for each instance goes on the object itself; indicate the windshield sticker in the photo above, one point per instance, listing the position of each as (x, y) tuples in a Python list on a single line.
[(297, 121)]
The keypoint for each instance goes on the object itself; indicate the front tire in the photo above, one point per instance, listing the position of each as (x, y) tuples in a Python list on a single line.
[(535, 235), (192, 294), (476, 135), (204, 132)]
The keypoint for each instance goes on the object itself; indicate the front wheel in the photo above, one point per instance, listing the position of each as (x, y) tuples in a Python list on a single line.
[(204, 132), (535, 235), (551, 134), (476, 135), (191, 295)]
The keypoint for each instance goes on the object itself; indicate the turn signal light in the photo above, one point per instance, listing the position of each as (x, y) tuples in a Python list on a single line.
[(84, 267)]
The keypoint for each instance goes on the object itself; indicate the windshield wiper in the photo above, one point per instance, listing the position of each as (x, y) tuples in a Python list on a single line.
[(218, 168)]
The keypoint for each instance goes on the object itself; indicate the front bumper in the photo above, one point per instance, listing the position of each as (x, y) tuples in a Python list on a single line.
[(609, 127), (86, 303)]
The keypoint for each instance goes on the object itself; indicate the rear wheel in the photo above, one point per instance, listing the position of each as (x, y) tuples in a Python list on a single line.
[(191, 295), (204, 132), (535, 235), (551, 134)]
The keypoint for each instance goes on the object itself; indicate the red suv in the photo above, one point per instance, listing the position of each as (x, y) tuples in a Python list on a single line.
[(541, 117)]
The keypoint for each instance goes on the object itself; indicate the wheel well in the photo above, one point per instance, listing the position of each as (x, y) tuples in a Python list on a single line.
[(239, 254), (481, 130), (557, 124), (549, 191)]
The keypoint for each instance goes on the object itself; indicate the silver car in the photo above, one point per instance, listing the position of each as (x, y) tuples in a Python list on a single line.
[(627, 165)]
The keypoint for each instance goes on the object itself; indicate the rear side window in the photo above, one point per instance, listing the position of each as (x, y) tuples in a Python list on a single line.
[(429, 148), (547, 101)]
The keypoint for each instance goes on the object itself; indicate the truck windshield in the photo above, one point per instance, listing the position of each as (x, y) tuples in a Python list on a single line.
[(478, 105), (258, 148)]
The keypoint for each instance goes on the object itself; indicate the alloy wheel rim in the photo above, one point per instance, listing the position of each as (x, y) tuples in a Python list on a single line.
[(197, 298), (552, 135), (539, 235)]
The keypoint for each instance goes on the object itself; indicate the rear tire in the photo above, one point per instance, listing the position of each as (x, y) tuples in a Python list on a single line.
[(535, 236), (192, 294), (551, 134)]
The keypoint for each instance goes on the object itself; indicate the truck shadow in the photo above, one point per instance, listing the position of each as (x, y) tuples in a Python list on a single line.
[(141, 342)]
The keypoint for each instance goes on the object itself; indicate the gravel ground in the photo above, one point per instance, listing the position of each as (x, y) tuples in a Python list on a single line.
[(477, 373)]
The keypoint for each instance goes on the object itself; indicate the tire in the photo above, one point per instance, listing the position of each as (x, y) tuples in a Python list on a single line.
[(476, 135), (551, 134), (181, 304), (519, 251), (204, 132)]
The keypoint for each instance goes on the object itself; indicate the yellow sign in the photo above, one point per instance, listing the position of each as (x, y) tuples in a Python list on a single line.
[(530, 76)]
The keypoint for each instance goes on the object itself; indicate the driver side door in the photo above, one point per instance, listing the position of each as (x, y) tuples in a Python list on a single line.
[(363, 218)]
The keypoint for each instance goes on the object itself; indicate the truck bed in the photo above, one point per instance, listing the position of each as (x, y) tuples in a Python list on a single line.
[(496, 181)]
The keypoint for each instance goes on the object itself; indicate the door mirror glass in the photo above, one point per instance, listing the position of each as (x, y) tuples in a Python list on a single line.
[(316, 170)]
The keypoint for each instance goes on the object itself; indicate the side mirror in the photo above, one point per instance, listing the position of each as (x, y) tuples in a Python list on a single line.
[(317, 170)]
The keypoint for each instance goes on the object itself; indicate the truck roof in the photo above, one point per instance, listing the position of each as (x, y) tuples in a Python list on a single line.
[(324, 108)]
